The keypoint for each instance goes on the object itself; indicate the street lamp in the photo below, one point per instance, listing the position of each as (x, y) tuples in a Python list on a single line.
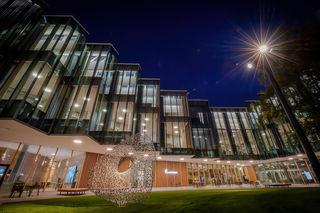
[(264, 51), (249, 65), (263, 48)]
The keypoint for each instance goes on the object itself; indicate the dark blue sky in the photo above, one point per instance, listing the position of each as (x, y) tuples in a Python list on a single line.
[(188, 44)]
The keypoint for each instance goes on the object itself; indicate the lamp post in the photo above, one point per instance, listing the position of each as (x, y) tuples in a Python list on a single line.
[(263, 50)]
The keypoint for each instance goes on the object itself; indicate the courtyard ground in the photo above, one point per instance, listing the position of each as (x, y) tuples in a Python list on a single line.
[(245, 200)]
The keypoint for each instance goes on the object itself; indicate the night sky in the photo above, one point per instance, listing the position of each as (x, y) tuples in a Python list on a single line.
[(188, 45)]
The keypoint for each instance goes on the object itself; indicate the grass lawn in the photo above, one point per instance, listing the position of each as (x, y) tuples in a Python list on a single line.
[(256, 201)]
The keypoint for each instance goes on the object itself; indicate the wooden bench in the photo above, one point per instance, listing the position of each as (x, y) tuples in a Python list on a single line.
[(277, 185), (73, 191)]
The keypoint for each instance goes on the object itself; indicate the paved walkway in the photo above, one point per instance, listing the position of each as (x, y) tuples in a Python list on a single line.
[(42, 196), (54, 194)]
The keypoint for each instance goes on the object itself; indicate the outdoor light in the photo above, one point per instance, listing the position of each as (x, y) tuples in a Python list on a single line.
[(181, 158), (299, 155), (159, 157), (263, 48), (143, 124), (145, 155), (101, 124), (120, 118), (218, 161), (228, 161), (251, 161), (144, 130), (124, 110), (249, 66), (109, 149), (290, 158), (175, 127), (104, 110), (176, 132), (205, 160), (76, 105), (77, 141), (130, 153), (146, 119)]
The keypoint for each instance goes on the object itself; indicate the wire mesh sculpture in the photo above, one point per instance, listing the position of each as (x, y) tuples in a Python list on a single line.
[(125, 174)]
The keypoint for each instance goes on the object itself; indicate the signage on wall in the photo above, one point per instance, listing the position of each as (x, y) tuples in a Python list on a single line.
[(168, 172)]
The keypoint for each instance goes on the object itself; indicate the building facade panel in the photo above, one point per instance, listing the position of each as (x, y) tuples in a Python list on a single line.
[(60, 85)]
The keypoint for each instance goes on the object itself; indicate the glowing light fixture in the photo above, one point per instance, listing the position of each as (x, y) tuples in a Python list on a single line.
[(77, 141), (48, 90), (263, 48)]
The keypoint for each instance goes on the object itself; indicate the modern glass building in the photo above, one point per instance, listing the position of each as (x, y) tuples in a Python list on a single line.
[(64, 102)]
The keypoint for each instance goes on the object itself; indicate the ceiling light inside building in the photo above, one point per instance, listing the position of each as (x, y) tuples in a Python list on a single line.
[(48, 90), (77, 141)]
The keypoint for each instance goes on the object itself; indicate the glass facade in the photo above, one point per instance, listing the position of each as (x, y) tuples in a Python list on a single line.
[(175, 122), (202, 135), (52, 80), (148, 109), (216, 174), (46, 167), (235, 132), (295, 171)]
